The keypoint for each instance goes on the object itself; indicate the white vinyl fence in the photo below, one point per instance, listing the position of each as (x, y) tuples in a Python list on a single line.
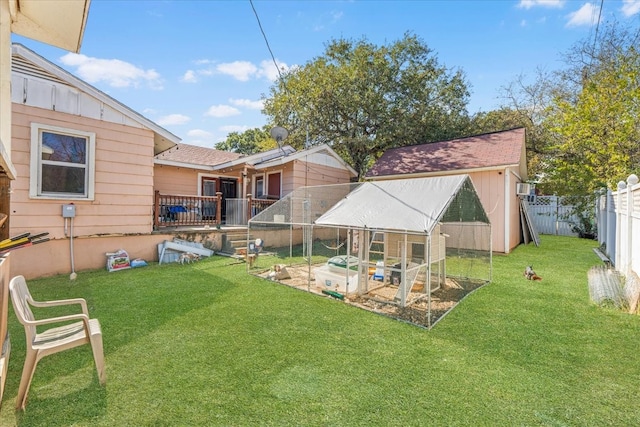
[(618, 216), (551, 216)]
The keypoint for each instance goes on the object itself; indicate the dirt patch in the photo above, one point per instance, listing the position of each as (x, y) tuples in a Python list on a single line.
[(384, 299)]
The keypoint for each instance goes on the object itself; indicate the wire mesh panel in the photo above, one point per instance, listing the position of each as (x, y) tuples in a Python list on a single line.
[(414, 271)]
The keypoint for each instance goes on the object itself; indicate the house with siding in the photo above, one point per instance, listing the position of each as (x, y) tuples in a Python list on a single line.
[(58, 23), (130, 183), (245, 180), (74, 145), (496, 163)]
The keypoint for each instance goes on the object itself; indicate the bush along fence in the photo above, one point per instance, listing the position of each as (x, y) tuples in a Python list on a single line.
[(618, 220)]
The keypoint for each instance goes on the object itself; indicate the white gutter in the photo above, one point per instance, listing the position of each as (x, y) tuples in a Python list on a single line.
[(183, 165), (440, 173)]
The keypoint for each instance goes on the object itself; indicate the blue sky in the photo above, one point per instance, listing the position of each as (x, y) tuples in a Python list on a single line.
[(199, 68)]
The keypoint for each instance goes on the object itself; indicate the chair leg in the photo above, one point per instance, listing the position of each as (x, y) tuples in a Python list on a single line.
[(30, 362), (98, 355)]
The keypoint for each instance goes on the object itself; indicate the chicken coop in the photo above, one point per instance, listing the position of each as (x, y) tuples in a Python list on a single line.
[(384, 243)]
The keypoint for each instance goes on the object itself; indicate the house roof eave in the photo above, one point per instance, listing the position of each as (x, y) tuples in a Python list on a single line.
[(58, 23), (163, 139)]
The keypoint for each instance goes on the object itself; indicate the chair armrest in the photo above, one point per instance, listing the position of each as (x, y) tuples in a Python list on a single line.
[(59, 319), (81, 301)]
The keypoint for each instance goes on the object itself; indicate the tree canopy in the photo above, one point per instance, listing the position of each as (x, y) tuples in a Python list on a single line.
[(250, 141), (363, 99), (597, 130), (584, 117)]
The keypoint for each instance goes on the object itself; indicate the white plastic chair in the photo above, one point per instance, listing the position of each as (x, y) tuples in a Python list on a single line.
[(52, 340)]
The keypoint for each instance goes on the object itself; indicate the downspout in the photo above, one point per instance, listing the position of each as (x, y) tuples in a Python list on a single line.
[(507, 210)]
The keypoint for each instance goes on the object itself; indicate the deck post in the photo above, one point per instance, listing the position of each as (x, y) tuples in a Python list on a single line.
[(156, 210), (248, 207), (218, 207)]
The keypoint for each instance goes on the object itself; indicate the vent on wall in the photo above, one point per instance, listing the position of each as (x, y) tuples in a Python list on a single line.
[(523, 189)]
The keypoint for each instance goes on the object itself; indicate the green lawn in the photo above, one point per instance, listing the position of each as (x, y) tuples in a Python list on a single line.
[(207, 344)]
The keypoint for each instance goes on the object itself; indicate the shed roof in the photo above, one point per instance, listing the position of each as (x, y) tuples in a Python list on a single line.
[(486, 151), (412, 205)]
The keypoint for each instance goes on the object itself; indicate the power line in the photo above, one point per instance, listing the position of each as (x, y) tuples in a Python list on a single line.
[(273, 58), (595, 38)]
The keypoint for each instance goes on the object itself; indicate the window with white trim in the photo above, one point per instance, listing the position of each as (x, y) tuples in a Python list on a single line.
[(62, 163), (259, 193)]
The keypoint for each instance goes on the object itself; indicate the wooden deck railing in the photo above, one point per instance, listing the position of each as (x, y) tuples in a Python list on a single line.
[(172, 210)]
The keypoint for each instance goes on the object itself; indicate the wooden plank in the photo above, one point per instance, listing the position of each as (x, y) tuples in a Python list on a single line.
[(531, 227)]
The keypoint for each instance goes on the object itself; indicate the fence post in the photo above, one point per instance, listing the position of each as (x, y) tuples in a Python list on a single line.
[(248, 207), (218, 207), (631, 181), (621, 186)]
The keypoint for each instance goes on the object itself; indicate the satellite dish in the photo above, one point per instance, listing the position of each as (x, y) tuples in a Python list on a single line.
[(279, 134)]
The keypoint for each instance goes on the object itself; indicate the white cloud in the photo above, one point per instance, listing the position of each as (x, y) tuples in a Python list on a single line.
[(199, 134), (113, 72), (268, 69), (233, 128), (630, 7), (528, 4), (222, 111), (586, 15), (173, 119), (200, 137), (239, 70), (247, 103), (189, 77)]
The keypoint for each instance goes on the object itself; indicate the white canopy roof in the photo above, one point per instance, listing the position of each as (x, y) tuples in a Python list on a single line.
[(405, 204)]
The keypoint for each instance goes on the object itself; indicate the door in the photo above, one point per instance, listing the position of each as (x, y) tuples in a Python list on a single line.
[(229, 189), (273, 191), (209, 190)]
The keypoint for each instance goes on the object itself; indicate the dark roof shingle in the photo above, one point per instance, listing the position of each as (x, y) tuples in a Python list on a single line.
[(481, 151), (194, 155)]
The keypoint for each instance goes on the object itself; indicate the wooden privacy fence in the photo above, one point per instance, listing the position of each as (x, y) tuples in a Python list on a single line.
[(550, 215), (618, 219)]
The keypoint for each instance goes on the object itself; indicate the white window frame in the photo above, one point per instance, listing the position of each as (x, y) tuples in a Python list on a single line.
[(255, 185), (202, 176), (35, 183)]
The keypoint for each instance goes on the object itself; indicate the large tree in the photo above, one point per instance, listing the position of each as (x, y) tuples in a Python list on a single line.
[(363, 99), (248, 142), (595, 128), (581, 134)]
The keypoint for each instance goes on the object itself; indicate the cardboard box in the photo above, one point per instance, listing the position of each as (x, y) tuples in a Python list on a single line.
[(118, 260)]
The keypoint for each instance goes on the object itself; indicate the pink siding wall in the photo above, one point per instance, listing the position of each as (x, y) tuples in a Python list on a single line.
[(490, 188), (123, 179), (122, 205), (310, 174), (54, 257), (174, 180)]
